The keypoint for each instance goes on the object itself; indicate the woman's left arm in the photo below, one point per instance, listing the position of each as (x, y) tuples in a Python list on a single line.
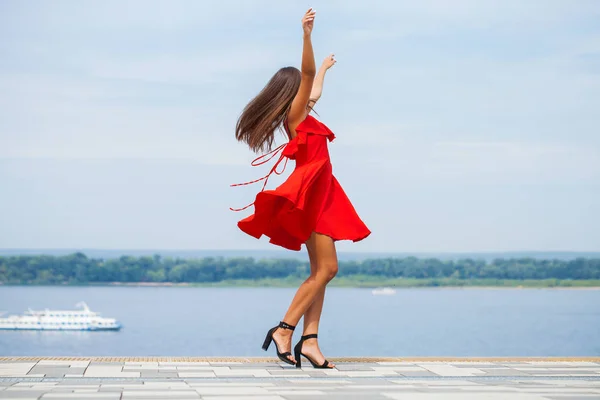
[(317, 87)]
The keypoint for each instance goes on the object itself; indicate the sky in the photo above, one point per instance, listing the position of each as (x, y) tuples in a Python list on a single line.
[(462, 126)]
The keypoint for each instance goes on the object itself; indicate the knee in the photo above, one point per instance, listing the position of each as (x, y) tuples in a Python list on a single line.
[(327, 271)]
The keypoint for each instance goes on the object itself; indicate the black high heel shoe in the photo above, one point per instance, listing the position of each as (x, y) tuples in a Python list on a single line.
[(298, 353), (282, 356)]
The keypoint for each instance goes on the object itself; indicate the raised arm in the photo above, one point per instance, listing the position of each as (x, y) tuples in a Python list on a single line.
[(298, 109), (317, 88)]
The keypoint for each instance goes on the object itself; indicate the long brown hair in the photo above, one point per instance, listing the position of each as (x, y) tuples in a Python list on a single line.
[(267, 111)]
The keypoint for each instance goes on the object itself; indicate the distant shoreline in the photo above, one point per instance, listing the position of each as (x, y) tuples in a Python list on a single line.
[(288, 255), (156, 271), (344, 283)]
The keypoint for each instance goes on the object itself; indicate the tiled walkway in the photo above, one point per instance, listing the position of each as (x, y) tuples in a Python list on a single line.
[(418, 379)]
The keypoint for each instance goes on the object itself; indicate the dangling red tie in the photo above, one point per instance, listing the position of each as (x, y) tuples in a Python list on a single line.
[(256, 162)]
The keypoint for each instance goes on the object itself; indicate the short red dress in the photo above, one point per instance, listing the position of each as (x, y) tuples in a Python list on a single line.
[(310, 200)]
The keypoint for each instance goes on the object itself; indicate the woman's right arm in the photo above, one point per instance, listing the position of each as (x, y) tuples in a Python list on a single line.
[(298, 109)]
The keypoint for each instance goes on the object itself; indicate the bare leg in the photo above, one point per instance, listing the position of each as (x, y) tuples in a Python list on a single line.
[(312, 316), (322, 249)]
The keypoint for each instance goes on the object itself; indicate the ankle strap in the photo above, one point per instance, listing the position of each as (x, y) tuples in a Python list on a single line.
[(311, 336), (286, 326)]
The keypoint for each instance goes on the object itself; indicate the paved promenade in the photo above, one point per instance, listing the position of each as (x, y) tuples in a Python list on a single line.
[(266, 379)]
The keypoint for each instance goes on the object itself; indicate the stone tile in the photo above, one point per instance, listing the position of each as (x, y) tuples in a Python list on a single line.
[(462, 396), (567, 372), (298, 393), (453, 382), (477, 365), (562, 363), (504, 372), (225, 362), (417, 373), (26, 394), (220, 383), (307, 386), (72, 386), (400, 368), (34, 384), (314, 373), (71, 396), (287, 372), (62, 363), (141, 363), (18, 368), (175, 385), (362, 374), (242, 372), (343, 396), (134, 368), (174, 394), (55, 372), (242, 398), (379, 388), (556, 382), (529, 368), (562, 391), (205, 374), (9, 363), (167, 368), (111, 375), (157, 374), (490, 389), (105, 364), (107, 371), (450, 370), (393, 363), (140, 369), (261, 365), (228, 390), (354, 367), (54, 362), (322, 381), (183, 363)]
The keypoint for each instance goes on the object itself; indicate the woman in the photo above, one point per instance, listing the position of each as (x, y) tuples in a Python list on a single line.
[(310, 207)]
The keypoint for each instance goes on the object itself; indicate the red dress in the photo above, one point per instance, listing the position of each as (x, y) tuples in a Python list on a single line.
[(310, 200)]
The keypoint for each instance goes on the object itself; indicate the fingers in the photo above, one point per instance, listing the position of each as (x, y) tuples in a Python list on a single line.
[(330, 60), (310, 15)]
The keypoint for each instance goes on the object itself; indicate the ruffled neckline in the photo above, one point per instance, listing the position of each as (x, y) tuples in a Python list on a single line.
[(314, 126)]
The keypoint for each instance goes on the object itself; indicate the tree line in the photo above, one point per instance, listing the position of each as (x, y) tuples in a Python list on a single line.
[(77, 268)]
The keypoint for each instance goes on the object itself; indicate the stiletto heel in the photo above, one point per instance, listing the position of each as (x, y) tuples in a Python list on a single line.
[(268, 340), (282, 356), (298, 352)]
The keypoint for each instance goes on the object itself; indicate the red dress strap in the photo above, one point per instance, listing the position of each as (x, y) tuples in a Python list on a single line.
[(260, 160)]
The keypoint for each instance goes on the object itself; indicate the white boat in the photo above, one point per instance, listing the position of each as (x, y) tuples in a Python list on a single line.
[(77, 320), (383, 291)]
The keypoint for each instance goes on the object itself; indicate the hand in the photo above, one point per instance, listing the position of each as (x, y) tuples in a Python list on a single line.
[(329, 61), (308, 21)]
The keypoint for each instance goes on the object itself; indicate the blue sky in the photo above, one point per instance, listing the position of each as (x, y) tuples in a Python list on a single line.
[(461, 126)]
